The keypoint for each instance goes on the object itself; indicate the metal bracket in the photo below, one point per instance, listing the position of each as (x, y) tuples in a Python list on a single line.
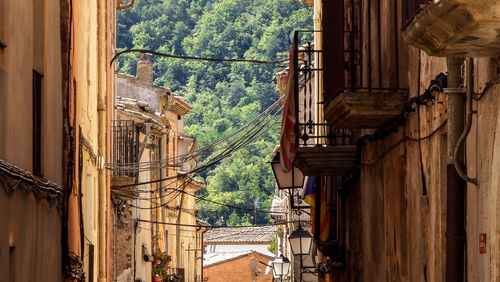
[(454, 90)]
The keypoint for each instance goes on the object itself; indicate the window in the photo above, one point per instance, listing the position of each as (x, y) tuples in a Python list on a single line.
[(37, 123), (2, 24)]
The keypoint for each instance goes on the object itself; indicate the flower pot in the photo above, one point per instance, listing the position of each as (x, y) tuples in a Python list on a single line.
[(157, 278)]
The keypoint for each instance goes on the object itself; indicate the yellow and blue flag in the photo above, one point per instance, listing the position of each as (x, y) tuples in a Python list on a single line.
[(315, 188)]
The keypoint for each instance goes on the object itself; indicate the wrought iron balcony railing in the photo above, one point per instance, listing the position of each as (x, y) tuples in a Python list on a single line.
[(309, 132), (125, 150)]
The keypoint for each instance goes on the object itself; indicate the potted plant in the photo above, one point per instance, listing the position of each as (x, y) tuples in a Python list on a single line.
[(160, 267), (161, 260)]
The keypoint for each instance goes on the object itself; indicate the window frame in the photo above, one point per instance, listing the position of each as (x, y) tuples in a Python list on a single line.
[(37, 116)]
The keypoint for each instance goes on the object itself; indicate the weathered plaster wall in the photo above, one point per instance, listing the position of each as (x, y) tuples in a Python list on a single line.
[(30, 231), (129, 87), (30, 239), (85, 71), (403, 186), (483, 161), (16, 67)]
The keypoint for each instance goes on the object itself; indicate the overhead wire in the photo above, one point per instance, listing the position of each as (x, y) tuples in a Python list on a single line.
[(303, 222), (155, 53), (205, 150), (199, 198), (235, 146)]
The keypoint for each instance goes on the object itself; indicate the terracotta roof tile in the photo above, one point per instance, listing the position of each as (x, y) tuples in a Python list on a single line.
[(261, 234)]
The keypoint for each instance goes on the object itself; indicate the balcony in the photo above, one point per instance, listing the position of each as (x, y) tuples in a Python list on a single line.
[(321, 149), (334, 152), (360, 86), (456, 28), (124, 155), (362, 108)]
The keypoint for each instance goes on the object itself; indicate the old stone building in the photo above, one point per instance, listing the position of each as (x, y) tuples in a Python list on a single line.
[(159, 217), (403, 113)]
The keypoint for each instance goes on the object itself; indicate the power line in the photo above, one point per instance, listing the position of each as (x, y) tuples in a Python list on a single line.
[(196, 197), (151, 52), (213, 227), (205, 150), (235, 146)]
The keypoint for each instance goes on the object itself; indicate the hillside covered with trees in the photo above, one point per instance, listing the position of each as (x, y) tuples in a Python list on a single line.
[(225, 96)]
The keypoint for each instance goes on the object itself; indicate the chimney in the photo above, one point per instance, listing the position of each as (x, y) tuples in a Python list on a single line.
[(145, 69)]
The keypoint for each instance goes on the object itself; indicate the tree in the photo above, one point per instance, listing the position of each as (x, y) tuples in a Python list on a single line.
[(224, 96)]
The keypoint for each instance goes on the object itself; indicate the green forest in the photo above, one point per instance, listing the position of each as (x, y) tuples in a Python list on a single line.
[(224, 96)]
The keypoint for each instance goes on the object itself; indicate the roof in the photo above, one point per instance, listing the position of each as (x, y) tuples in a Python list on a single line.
[(142, 111), (211, 259), (179, 106), (259, 235), (202, 222), (152, 86)]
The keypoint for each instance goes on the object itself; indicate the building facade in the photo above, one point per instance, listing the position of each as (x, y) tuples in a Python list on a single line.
[(31, 138), (158, 217), (237, 266), (48, 79), (406, 91)]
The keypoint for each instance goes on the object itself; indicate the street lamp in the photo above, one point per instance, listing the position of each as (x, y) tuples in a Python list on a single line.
[(300, 241), (286, 180), (281, 267)]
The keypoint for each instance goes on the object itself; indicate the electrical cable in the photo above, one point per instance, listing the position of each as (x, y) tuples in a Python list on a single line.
[(404, 139), (198, 198), (213, 227), (207, 149), (234, 147), (488, 85), (151, 52)]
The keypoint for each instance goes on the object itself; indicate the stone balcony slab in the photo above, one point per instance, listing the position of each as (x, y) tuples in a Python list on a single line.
[(456, 28)]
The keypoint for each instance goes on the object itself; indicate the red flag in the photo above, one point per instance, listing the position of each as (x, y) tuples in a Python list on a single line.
[(287, 142)]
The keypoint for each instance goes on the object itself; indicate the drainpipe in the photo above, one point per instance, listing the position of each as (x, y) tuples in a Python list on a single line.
[(110, 96), (101, 139), (455, 196), (468, 123)]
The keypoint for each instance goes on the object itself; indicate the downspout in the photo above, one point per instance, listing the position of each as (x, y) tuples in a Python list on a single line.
[(202, 250), (455, 196), (178, 228), (110, 94), (468, 123), (101, 139)]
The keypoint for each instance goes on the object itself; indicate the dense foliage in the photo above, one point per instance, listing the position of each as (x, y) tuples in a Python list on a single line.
[(224, 96)]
